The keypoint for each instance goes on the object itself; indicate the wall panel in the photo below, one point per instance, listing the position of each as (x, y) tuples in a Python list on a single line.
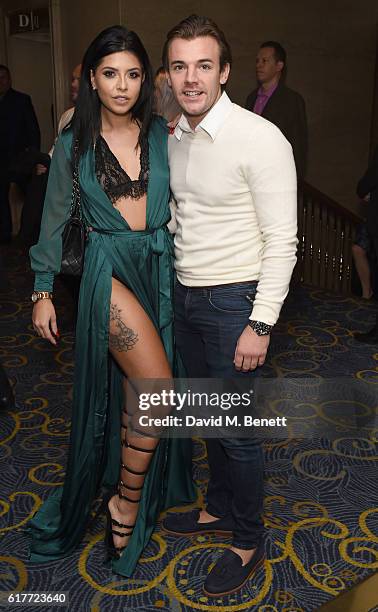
[(331, 60)]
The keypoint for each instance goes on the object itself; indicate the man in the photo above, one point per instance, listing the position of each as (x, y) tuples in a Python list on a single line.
[(367, 189), (19, 131), (35, 194), (234, 183), (279, 104)]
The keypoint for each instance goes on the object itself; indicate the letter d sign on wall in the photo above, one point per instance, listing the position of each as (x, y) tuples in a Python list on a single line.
[(28, 21), (23, 21)]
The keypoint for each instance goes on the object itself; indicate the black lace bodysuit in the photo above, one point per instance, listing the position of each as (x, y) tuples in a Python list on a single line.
[(114, 179)]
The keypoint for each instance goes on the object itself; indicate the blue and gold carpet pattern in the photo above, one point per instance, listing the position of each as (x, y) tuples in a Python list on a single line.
[(321, 497)]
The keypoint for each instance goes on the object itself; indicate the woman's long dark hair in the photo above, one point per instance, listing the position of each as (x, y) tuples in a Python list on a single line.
[(86, 122)]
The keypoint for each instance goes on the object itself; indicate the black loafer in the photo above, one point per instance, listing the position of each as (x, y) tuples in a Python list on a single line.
[(229, 575), (186, 523)]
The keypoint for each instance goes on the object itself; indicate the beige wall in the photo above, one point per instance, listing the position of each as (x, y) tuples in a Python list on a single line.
[(331, 57), (3, 49), (82, 20), (331, 51)]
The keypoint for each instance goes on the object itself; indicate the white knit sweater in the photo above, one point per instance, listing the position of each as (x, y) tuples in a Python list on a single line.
[(234, 185)]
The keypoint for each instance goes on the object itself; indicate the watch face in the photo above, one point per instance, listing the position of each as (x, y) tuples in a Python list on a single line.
[(34, 297)]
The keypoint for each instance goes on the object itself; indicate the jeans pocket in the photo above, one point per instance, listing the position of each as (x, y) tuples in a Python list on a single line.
[(239, 300)]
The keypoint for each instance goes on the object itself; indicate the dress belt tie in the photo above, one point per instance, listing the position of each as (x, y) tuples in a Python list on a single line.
[(120, 232)]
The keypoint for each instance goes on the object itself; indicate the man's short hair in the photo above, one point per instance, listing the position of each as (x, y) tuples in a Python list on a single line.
[(194, 27), (5, 69), (279, 51)]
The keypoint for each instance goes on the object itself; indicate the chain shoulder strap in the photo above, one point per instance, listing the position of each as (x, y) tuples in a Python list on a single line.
[(76, 209)]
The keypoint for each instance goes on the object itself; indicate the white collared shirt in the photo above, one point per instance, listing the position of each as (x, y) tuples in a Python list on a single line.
[(234, 184), (211, 122)]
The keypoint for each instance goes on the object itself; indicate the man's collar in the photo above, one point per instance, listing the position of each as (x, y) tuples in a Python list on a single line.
[(268, 92), (182, 126), (211, 123)]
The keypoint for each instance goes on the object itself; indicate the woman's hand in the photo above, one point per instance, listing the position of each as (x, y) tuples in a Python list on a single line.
[(44, 320)]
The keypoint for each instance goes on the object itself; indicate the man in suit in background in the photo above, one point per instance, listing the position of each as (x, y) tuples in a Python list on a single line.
[(19, 130), (282, 106)]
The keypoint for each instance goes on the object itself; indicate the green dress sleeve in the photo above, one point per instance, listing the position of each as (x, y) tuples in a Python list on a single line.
[(46, 255)]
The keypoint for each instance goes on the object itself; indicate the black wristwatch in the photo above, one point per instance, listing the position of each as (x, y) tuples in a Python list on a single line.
[(260, 328)]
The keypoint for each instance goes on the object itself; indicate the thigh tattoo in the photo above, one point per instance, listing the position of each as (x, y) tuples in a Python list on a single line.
[(124, 338)]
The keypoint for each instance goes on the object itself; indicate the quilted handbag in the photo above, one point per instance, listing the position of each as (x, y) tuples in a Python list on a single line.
[(74, 234)]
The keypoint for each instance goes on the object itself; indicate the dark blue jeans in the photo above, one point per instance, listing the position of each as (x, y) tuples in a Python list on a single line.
[(208, 323)]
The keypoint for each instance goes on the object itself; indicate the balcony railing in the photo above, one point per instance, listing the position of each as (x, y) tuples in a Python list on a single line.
[(326, 231)]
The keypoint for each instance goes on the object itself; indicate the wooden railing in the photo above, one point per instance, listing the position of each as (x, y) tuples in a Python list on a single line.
[(326, 232)]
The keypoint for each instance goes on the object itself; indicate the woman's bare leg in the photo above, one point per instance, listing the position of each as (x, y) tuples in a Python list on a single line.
[(363, 270), (136, 346)]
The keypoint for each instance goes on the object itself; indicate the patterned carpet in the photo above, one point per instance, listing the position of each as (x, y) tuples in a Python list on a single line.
[(321, 497)]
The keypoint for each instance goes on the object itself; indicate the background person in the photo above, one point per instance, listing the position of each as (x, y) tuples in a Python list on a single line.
[(165, 104), (19, 130), (36, 189), (368, 186), (361, 251), (278, 103)]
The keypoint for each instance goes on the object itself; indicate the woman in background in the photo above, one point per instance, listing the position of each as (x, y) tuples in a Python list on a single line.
[(165, 104)]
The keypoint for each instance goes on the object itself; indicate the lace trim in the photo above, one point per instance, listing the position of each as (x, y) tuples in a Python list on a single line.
[(114, 179)]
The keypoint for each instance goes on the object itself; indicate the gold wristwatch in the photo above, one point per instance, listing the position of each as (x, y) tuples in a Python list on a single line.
[(41, 295)]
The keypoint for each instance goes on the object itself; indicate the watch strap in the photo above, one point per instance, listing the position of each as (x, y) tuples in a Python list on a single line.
[(41, 295), (260, 328)]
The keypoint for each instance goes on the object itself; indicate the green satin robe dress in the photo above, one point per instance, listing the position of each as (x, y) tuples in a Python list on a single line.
[(143, 261)]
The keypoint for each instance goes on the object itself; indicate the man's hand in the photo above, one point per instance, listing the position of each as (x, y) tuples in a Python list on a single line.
[(40, 169), (250, 350)]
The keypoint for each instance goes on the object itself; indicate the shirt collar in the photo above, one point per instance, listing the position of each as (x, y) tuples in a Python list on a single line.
[(267, 93), (211, 123)]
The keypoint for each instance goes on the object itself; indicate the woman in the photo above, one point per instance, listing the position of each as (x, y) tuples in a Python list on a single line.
[(125, 307), (165, 104)]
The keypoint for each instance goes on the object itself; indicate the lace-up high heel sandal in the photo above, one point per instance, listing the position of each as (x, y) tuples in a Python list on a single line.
[(116, 551)]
